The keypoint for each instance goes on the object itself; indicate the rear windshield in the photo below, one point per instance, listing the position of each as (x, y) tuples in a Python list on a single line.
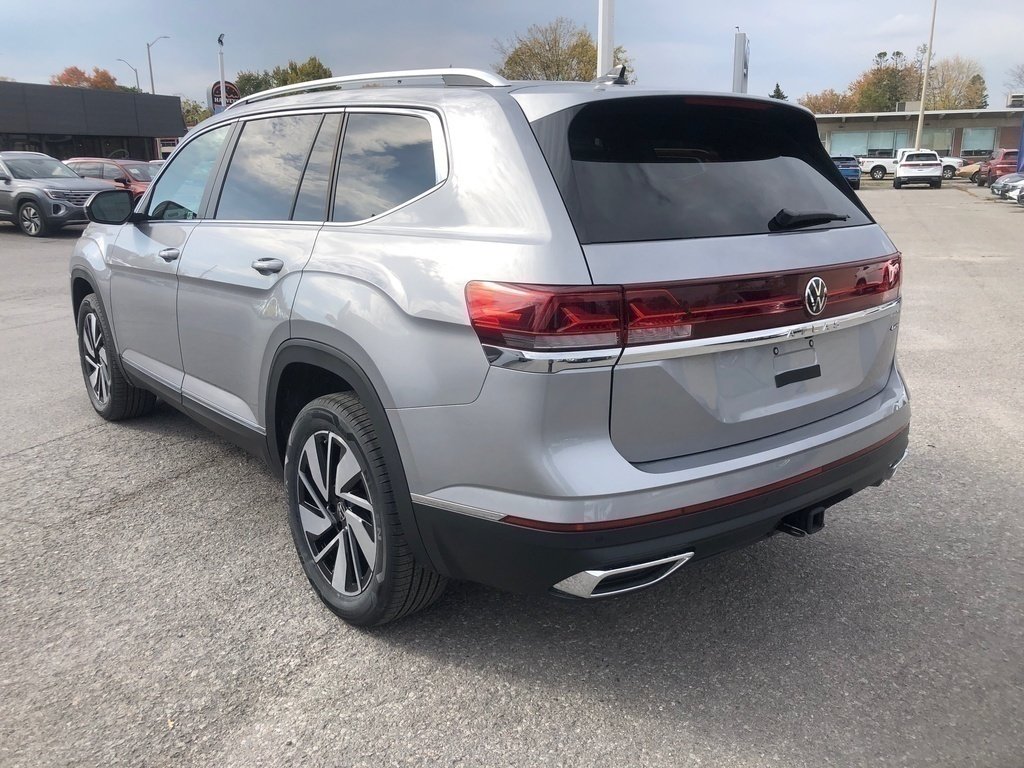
[(675, 167), (844, 159), (921, 157)]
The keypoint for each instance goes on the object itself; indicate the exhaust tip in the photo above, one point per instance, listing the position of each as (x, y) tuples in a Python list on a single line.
[(616, 581)]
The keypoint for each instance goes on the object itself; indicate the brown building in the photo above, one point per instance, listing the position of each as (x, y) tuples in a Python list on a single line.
[(967, 133)]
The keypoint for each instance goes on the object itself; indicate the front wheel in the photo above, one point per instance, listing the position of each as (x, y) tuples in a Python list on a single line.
[(112, 396), (974, 178), (31, 221), (344, 518), (948, 172), (878, 173)]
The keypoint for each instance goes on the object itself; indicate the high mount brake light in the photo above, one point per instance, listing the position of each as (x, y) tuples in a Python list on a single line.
[(553, 318)]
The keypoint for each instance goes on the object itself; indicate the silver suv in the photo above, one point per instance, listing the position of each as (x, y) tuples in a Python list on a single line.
[(40, 194), (551, 337)]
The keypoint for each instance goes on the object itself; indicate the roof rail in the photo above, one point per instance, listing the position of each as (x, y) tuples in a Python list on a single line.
[(450, 76)]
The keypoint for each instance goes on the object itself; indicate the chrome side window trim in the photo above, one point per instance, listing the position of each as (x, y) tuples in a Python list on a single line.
[(755, 338)]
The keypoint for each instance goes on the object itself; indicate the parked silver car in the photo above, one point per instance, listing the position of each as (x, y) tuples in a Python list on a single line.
[(551, 337)]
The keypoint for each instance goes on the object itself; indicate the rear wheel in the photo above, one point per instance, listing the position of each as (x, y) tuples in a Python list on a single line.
[(979, 180), (974, 178), (878, 173), (948, 172), (936, 184), (31, 221), (113, 397), (896, 184), (344, 518)]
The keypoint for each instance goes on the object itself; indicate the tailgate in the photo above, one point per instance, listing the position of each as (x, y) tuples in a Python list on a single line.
[(756, 361)]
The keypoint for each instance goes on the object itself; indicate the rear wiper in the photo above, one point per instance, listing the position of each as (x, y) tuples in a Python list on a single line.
[(787, 219)]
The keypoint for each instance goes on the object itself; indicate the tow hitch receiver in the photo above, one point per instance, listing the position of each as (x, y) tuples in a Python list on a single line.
[(803, 523)]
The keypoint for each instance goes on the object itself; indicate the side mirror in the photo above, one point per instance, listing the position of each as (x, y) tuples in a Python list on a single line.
[(4, 177), (112, 206), (122, 180)]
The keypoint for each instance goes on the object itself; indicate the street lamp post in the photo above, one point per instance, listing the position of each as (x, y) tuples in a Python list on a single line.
[(133, 69), (149, 58), (924, 77)]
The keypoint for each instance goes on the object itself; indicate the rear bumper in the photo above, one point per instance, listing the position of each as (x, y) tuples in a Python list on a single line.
[(521, 559)]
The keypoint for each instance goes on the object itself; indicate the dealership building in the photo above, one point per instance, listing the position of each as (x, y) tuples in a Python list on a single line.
[(87, 122), (967, 133)]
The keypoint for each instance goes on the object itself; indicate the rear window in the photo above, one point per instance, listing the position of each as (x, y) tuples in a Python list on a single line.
[(676, 167), (921, 157), (844, 159)]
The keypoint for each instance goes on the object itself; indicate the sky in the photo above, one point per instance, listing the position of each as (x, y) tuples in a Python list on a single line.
[(803, 46)]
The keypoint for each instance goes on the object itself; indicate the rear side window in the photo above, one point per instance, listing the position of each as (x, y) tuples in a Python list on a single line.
[(265, 168), (675, 167), (386, 160), (89, 170)]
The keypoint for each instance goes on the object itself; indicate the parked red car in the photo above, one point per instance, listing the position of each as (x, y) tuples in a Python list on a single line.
[(1001, 162), (130, 174)]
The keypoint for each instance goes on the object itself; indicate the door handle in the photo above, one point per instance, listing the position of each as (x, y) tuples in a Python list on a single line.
[(170, 254), (268, 266)]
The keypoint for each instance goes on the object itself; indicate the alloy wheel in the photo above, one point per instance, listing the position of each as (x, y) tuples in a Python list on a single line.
[(335, 512), (97, 360), (31, 221)]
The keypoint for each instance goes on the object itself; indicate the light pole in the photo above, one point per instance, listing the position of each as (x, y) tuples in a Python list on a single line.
[(223, 90), (133, 69), (924, 77), (149, 58), (605, 37)]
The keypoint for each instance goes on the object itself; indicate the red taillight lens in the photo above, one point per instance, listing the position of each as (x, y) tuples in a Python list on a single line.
[(546, 317)]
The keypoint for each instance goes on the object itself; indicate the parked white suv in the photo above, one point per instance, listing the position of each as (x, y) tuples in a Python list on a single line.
[(552, 337), (919, 166)]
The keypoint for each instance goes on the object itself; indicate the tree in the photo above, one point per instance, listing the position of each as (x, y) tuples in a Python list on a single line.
[(293, 72), (891, 79), (1015, 78), (77, 78), (956, 83), (829, 102), (558, 50), (778, 94), (193, 112), (5, 79)]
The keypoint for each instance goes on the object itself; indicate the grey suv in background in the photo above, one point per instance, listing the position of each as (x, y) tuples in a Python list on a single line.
[(41, 194), (551, 337)]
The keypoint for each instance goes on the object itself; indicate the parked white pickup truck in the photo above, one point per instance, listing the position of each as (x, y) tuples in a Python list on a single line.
[(878, 167)]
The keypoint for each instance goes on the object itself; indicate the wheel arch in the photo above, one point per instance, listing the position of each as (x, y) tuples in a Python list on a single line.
[(82, 284), (315, 367)]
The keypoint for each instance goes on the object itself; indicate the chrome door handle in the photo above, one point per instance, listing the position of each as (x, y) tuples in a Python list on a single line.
[(170, 254), (268, 266)]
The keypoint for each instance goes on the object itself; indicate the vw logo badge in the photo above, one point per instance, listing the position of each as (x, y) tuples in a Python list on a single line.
[(815, 295)]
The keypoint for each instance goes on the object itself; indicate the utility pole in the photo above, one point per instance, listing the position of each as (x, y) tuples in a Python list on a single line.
[(133, 69), (149, 58), (223, 89), (924, 77), (605, 38)]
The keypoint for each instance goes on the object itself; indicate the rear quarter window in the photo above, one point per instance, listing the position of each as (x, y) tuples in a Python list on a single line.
[(675, 167)]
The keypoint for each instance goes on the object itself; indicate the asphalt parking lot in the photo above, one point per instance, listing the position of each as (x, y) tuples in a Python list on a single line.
[(154, 612)]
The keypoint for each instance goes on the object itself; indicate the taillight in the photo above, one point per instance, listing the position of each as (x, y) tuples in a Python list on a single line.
[(550, 318), (545, 317)]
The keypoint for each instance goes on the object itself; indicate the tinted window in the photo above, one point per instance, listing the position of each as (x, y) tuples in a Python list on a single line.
[(89, 170), (671, 167), (385, 161), (311, 204), (921, 157), (179, 192), (112, 171), (265, 168), (39, 168)]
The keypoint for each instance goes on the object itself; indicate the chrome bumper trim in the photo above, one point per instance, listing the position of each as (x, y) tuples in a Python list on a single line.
[(550, 362), (461, 509), (586, 584)]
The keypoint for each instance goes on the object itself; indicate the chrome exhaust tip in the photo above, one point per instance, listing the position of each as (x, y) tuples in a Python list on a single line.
[(616, 581)]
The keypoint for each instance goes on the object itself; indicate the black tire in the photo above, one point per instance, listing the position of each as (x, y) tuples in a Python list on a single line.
[(979, 180), (31, 221), (937, 184), (855, 184), (974, 178), (878, 172), (113, 397), (896, 184), (319, 515), (948, 171)]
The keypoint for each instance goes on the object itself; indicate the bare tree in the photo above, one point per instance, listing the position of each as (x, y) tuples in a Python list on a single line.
[(956, 83), (556, 51), (1015, 78)]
